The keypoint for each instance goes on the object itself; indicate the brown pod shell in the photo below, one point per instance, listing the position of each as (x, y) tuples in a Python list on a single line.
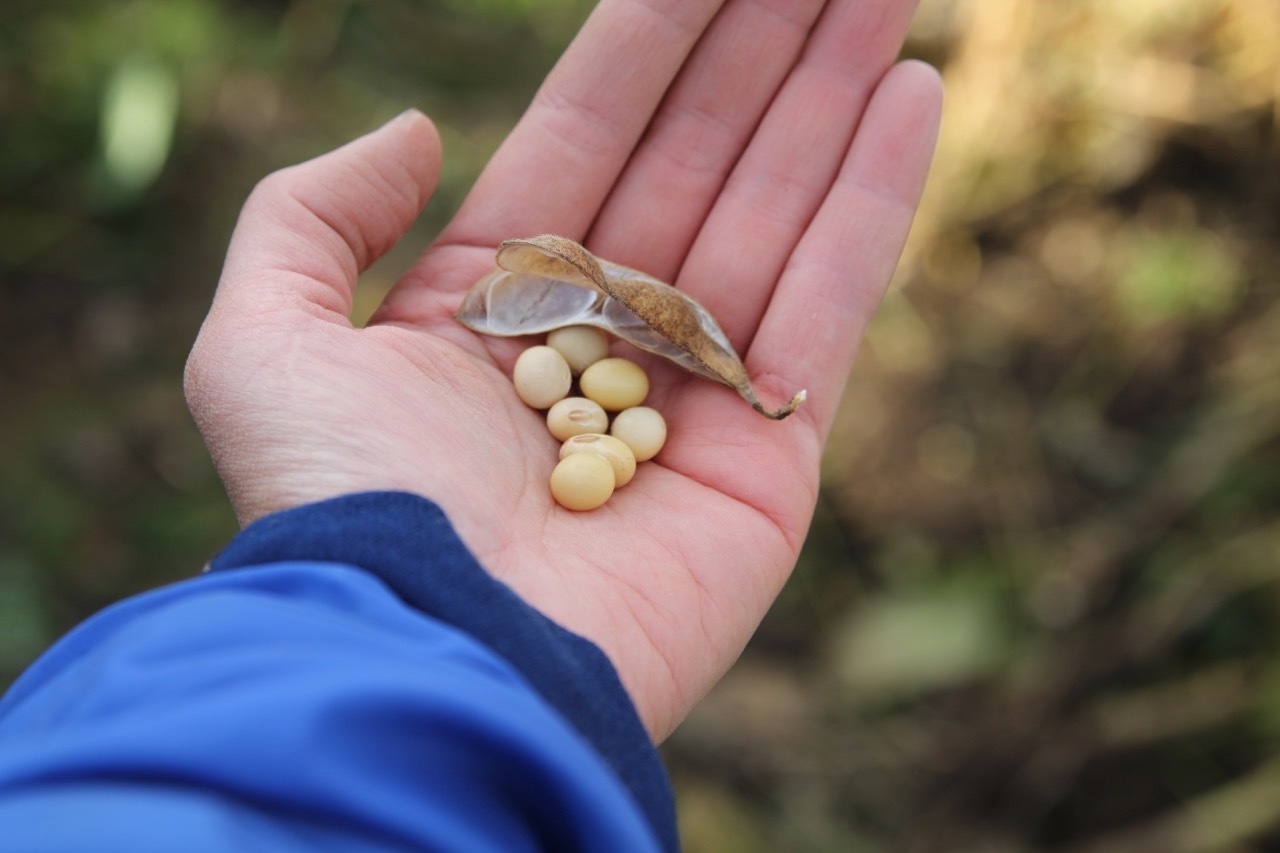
[(548, 282)]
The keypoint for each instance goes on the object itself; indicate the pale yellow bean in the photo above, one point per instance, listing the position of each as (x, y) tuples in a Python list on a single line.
[(613, 451), (575, 416), (541, 377), (642, 429), (581, 346), (615, 383), (582, 481)]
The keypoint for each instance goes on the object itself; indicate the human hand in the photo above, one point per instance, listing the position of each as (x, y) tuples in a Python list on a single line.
[(766, 158)]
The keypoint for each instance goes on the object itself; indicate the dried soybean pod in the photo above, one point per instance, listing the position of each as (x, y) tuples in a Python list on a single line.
[(508, 304), (551, 256), (692, 337)]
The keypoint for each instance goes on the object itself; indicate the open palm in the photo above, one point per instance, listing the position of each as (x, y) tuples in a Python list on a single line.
[(764, 157)]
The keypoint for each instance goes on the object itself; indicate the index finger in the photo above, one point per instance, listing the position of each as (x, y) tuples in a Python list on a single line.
[(568, 149)]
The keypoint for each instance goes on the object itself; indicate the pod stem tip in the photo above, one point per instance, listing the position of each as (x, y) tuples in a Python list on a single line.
[(779, 414)]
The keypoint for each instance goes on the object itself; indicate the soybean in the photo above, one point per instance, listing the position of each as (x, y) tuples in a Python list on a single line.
[(575, 416), (581, 346), (541, 377), (593, 463), (608, 448), (642, 429), (582, 481), (615, 383)]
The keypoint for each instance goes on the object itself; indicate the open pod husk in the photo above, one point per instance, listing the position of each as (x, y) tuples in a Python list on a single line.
[(548, 282)]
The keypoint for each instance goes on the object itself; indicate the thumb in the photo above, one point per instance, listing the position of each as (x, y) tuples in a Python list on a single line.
[(307, 232)]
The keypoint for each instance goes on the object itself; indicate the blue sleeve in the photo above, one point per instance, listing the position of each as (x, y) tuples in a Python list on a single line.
[(346, 677)]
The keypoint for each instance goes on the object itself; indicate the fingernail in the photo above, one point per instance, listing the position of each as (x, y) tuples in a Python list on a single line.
[(407, 115)]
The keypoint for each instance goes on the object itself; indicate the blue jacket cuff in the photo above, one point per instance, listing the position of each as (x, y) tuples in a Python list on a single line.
[(408, 542)]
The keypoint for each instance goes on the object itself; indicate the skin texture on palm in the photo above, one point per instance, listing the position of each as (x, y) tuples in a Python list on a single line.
[(764, 157)]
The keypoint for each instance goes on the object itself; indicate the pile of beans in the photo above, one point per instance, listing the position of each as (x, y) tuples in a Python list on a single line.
[(597, 456)]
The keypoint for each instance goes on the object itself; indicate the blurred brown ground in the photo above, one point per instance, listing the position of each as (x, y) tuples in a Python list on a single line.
[(1039, 607)]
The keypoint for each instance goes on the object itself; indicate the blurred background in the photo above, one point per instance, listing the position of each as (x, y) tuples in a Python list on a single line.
[(1040, 605)]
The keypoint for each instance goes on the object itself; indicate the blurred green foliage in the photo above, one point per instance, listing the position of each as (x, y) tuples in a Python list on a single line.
[(1040, 605), (132, 133)]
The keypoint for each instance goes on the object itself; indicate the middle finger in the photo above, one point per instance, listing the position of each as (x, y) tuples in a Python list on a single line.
[(701, 128)]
